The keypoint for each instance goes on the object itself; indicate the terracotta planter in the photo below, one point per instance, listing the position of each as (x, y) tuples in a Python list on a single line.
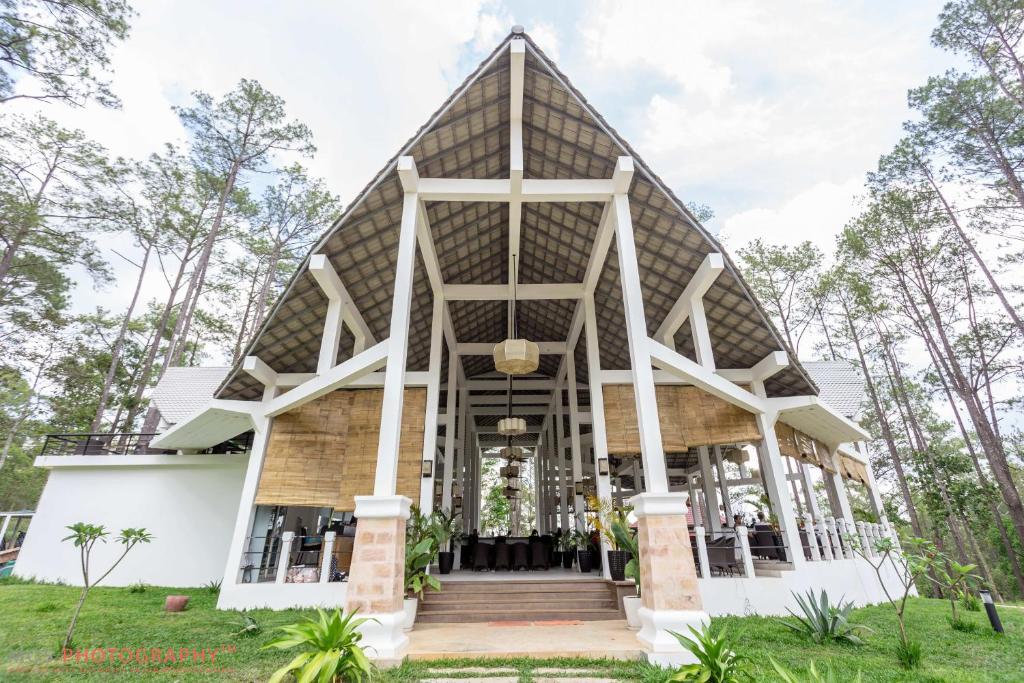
[(176, 603)]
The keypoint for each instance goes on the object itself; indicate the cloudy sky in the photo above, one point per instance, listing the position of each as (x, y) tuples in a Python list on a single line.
[(770, 113)]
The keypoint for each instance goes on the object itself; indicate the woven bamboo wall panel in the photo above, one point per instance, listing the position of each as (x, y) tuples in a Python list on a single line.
[(824, 456), (852, 469), (786, 437), (324, 453), (688, 417)]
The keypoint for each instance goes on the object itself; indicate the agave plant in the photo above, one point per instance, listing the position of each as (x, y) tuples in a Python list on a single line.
[(824, 622), (717, 662), (828, 676), (332, 651)]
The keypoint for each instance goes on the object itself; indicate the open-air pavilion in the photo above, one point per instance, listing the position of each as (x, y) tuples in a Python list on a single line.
[(517, 213)]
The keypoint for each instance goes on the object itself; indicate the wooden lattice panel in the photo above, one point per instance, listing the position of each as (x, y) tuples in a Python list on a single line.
[(324, 453), (688, 417)]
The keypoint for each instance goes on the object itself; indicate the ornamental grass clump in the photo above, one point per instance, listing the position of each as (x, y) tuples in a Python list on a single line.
[(826, 676), (331, 649)]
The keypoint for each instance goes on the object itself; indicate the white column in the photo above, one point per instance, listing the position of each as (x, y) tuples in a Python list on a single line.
[(808, 486), (702, 551), (325, 556), (691, 491), (398, 343), (433, 395), (834, 482), (600, 435), (449, 429), (812, 538), (724, 483), (284, 558), (563, 472), (648, 424), (3, 527), (574, 436), (845, 531), (744, 542), (830, 525), (773, 476), (707, 480), (826, 542)]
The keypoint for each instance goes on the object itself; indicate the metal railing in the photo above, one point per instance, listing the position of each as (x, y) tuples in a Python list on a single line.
[(127, 443), (307, 559)]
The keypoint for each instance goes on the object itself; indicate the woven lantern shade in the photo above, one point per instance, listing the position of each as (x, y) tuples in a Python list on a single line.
[(509, 471), (513, 454), (511, 492), (516, 356), (737, 456), (511, 426)]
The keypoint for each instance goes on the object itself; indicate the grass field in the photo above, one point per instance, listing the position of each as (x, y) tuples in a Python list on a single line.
[(33, 618)]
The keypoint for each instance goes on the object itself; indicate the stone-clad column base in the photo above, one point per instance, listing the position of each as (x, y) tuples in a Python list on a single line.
[(377, 578), (670, 596)]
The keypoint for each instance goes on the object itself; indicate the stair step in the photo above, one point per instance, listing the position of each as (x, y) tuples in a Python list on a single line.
[(492, 598), (521, 586), (524, 606), (473, 616)]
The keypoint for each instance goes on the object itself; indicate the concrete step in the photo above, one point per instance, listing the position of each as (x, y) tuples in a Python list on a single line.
[(567, 604), (478, 616), (527, 586), (509, 598)]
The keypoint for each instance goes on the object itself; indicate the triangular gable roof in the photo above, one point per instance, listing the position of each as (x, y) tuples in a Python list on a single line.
[(563, 137)]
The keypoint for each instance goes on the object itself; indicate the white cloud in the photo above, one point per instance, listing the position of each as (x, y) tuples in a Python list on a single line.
[(817, 214), (546, 37)]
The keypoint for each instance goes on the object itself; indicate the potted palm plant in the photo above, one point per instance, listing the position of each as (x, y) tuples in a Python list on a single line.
[(420, 552), (619, 554), (626, 540), (445, 530), (567, 545)]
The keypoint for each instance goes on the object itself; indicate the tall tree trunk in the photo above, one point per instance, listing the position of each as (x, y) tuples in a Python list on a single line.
[(115, 352), (261, 304), (890, 442), (249, 302)]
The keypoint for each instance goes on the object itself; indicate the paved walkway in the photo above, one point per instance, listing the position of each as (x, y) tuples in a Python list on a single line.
[(541, 639)]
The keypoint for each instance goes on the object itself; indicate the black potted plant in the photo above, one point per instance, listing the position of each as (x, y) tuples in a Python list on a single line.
[(567, 544), (618, 555), (584, 554), (445, 529)]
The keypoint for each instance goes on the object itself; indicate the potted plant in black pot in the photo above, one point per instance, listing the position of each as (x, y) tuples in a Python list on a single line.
[(626, 540), (567, 546), (584, 552), (444, 527), (618, 554)]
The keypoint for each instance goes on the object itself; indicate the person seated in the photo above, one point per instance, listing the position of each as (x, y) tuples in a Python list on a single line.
[(534, 535), (737, 520)]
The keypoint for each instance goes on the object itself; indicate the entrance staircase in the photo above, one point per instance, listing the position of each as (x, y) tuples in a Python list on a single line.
[(523, 600)]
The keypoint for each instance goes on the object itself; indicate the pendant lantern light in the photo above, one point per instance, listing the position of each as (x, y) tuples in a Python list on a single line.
[(513, 454), (516, 356), (511, 426)]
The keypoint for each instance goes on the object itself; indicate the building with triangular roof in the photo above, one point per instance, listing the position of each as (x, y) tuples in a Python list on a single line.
[(515, 283)]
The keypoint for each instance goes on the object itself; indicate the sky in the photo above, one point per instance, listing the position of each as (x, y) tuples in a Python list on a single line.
[(769, 113)]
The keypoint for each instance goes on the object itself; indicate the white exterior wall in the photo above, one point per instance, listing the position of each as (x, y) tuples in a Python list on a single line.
[(188, 502), (844, 580)]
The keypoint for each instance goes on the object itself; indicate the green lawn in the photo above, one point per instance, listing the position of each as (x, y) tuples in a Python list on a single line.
[(33, 619)]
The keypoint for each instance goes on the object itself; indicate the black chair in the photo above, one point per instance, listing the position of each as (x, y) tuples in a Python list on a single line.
[(722, 555), (805, 542), (764, 544), (502, 556), (539, 556), (520, 556), (481, 557)]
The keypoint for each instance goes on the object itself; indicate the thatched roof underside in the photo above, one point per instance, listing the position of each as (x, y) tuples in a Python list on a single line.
[(562, 138)]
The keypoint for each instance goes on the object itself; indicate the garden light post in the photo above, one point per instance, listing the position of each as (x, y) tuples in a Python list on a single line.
[(990, 609)]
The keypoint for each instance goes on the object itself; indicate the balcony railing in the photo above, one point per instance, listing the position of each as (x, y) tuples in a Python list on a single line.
[(128, 444)]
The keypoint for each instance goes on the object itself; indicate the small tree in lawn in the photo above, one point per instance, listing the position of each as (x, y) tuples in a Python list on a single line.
[(910, 566), (85, 536)]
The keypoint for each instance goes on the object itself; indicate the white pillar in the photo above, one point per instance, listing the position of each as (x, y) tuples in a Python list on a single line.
[(724, 484), (325, 556), (826, 542), (812, 538), (398, 342), (702, 551), (744, 542), (563, 471), (600, 436), (433, 395), (837, 488), (808, 486), (698, 517), (574, 437), (833, 538), (773, 476), (707, 480), (284, 557), (3, 527)]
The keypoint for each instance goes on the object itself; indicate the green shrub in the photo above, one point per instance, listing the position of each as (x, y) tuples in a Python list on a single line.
[(717, 662), (970, 602), (331, 645), (829, 676), (213, 587), (962, 625), (250, 627), (824, 622), (909, 654), (137, 587), (48, 606)]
